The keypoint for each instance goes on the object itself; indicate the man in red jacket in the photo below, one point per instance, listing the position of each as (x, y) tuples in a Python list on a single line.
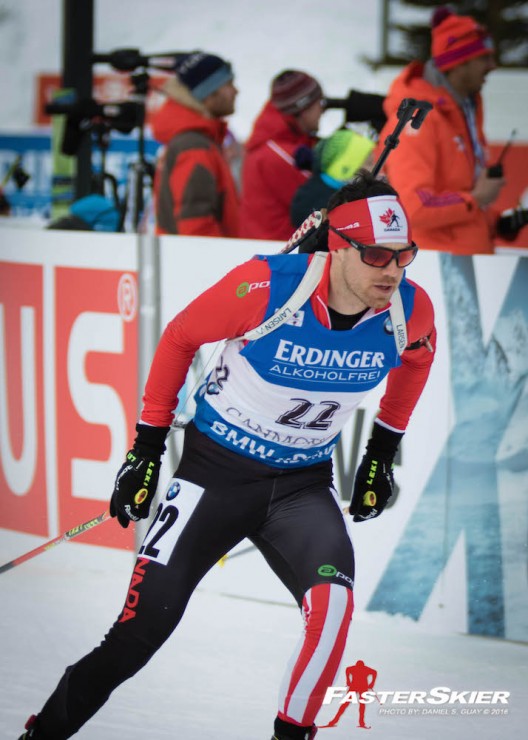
[(273, 169), (194, 190)]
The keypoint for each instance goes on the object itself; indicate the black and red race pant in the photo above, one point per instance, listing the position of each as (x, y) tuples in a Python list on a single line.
[(214, 501)]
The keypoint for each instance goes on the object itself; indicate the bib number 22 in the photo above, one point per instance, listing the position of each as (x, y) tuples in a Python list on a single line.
[(172, 514)]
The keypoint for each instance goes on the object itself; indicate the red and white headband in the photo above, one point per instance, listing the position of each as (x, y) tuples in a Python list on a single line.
[(377, 220)]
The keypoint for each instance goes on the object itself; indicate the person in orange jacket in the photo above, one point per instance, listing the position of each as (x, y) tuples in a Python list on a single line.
[(194, 190), (278, 155), (441, 170)]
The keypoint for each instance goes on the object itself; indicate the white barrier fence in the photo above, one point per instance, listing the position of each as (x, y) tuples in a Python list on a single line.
[(452, 550)]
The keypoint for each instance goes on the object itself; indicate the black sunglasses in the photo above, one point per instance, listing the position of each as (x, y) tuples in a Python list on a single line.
[(381, 256)]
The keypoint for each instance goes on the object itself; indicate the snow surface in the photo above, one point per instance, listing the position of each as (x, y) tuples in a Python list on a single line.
[(218, 675)]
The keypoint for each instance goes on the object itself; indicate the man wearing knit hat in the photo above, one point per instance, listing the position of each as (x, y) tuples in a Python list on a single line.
[(194, 190), (441, 170), (282, 137)]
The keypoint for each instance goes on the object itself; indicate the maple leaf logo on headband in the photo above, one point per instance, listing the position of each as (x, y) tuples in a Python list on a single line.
[(390, 218)]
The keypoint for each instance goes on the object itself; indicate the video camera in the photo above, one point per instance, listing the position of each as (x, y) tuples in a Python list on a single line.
[(128, 60), (361, 106), (123, 116), (81, 116)]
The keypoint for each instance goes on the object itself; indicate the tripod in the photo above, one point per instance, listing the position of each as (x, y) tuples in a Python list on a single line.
[(141, 173), (101, 133)]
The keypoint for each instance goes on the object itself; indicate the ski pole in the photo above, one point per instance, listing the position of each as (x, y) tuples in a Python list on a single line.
[(411, 110), (69, 535), (306, 229)]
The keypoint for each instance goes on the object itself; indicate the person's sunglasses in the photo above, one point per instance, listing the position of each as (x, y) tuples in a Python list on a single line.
[(381, 256)]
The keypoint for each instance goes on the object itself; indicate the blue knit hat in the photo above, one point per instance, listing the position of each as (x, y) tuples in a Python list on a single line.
[(203, 73)]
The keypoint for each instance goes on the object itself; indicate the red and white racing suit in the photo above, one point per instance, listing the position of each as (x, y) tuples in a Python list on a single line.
[(256, 463)]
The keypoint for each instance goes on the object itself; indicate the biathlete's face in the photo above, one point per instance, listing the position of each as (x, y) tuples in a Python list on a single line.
[(356, 285)]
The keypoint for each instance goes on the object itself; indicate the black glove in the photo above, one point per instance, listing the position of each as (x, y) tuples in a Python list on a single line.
[(136, 482), (317, 241), (511, 222), (374, 483), (303, 157)]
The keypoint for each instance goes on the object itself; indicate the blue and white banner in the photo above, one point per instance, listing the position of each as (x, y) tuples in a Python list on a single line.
[(34, 199)]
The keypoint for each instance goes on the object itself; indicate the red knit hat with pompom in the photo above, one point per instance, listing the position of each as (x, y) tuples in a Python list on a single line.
[(457, 38)]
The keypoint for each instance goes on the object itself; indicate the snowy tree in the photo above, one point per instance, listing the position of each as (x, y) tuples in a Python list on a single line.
[(406, 31)]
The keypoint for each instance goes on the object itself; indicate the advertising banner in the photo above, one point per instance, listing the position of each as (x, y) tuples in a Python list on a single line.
[(450, 552), (107, 88), (34, 150), (68, 378)]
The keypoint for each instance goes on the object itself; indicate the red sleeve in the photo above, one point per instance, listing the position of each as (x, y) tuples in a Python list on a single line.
[(233, 305), (406, 382)]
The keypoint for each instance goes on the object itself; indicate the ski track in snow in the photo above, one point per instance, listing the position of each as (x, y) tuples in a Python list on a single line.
[(218, 675)]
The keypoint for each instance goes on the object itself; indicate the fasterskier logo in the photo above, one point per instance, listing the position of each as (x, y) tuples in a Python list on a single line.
[(440, 700), (360, 680)]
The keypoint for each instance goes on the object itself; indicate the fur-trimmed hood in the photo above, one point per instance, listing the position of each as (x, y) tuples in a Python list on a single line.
[(182, 112)]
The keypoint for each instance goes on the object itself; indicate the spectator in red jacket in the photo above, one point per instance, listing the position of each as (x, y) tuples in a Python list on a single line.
[(283, 135), (194, 190)]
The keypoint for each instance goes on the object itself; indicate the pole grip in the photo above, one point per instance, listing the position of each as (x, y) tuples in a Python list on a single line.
[(409, 110)]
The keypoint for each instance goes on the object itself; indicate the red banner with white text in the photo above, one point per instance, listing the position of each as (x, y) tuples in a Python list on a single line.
[(68, 388)]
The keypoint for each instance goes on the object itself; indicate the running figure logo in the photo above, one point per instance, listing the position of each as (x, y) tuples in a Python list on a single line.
[(390, 218), (359, 679)]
